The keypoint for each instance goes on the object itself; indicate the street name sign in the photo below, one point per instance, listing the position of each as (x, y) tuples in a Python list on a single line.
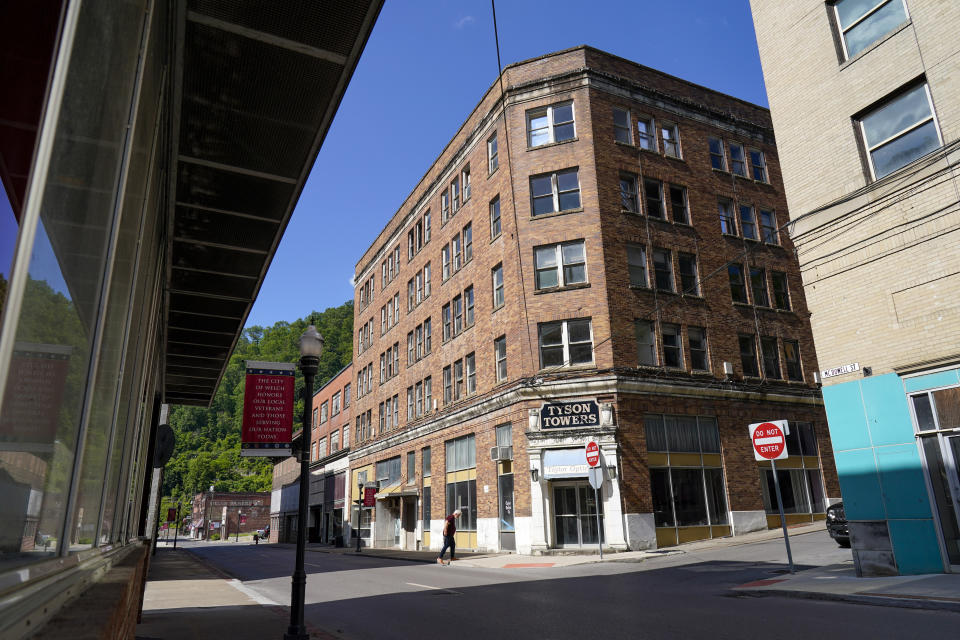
[(769, 439)]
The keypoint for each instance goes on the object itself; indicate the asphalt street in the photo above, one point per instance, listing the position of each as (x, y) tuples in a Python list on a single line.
[(685, 595)]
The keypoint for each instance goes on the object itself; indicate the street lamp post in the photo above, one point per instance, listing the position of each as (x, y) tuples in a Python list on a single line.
[(176, 525), (359, 513), (311, 346), (239, 515)]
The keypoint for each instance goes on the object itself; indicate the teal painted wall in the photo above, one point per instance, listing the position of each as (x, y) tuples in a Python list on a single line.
[(879, 465)]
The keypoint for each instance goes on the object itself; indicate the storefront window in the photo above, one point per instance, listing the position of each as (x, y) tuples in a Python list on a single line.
[(461, 488), (801, 488)]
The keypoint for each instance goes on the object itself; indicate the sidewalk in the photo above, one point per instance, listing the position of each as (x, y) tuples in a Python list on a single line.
[(839, 582), (185, 597)]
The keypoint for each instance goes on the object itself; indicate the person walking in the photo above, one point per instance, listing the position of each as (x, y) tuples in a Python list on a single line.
[(449, 541)]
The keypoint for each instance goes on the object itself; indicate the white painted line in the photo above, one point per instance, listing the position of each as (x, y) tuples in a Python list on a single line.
[(426, 586), (250, 593)]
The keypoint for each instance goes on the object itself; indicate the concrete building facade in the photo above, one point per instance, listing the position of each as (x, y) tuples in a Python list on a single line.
[(595, 255), (865, 97)]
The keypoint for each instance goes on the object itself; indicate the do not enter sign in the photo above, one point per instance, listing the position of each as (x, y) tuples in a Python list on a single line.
[(593, 454), (769, 439)]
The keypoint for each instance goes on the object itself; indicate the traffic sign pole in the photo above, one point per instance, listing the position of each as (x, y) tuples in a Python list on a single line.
[(783, 519), (596, 498)]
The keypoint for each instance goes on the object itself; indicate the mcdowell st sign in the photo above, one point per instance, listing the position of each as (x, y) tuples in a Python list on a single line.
[(578, 413)]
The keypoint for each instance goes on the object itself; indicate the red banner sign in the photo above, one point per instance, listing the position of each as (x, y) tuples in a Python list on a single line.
[(369, 496), (268, 409), (171, 514)]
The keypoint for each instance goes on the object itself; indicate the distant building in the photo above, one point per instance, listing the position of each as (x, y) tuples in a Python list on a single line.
[(226, 513), (595, 255), (866, 101)]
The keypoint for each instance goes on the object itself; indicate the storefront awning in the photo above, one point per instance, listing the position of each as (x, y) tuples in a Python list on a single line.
[(398, 491), (564, 463)]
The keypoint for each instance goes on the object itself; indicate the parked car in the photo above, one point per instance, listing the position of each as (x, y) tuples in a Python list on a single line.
[(837, 525)]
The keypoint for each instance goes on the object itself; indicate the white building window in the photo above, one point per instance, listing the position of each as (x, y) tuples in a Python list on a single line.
[(493, 159), (566, 343), (646, 343), (900, 131), (500, 355), (628, 193), (758, 165), (557, 191), (560, 265), (497, 276), (672, 350), (646, 136), (738, 163), (621, 126), (863, 22), (671, 140), (637, 265), (717, 158), (550, 124)]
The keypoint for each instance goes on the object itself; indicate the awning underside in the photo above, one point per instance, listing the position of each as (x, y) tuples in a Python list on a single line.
[(258, 87)]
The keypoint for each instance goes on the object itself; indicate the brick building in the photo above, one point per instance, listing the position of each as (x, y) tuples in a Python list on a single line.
[(561, 274), (329, 450), (222, 512), (875, 213)]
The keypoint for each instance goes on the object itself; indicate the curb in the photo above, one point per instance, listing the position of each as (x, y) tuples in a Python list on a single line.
[(902, 601)]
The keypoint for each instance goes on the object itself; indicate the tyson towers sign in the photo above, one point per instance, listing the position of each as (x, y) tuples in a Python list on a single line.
[(579, 413)]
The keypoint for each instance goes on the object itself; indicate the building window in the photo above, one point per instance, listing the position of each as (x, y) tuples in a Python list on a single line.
[(863, 22), (445, 260), (560, 265), (663, 269), (461, 456), (425, 462), (692, 495), (737, 163), (493, 160), (550, 124), (672, 351), (653, 194), (497, 277), (637, 265), (346, 396), (468, 307), (671, 140), (717, 158), (900, 131), (697, 339), (410, 404), (419, 286), (781, 294), (470, 364), (467, 243), (457, 314), (646, 138), (688, 274), (748, 356), (458, 379), (465, 181), (758, 286), (621, 126), (454, 195), (791, 357), (447, 384), (558, 191), (758, 165), (628, 193), (565, 343), (323, 412), (678, 204), (346, 435), (500, 355), (771, 357), (646, 343), (315, 421), (447, 322), (727, 223), (335, 441), (768, 227), (738, 288), (748, 226), (455, 253), (411, 467), (444, 206), (426, 227), (411, 354), (313, 451), (335, 404), (495, 227), (428, 394)]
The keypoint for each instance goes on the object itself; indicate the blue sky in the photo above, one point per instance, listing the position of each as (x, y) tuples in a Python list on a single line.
[(425, 67)]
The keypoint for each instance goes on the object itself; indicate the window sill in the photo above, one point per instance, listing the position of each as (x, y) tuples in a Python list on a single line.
[(730, 235), (554, 214), (497, 308), (744, 305), (492, 173), (552, 144), (573, 367), (628, 145), (640, 287), (569, 287), (496, 237), (677, 158)]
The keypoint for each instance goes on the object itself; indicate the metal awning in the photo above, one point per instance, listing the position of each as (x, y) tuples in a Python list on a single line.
[(398, 490), (256, 88)]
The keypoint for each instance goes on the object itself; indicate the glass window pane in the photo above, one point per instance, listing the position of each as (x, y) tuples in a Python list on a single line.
[(563, 113), (899, 114), (579, 331), (905, 149), (662, 502), (709, 435), (541, 186), (924, 413), (656, 438), (947, 403), (689, 499), (716, 496), (573, 252), (551, 334), (881, 22), (568, 180), (682, 434)]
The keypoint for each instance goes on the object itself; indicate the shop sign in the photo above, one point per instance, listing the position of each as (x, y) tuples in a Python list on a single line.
[(369, 496), (268, 409), (579, 413)]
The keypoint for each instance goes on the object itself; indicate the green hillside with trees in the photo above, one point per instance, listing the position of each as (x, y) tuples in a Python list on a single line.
[(208, 440)]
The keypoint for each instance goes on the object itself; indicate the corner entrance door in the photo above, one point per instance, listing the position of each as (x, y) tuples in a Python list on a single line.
[(575, 515), (942, 453)]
